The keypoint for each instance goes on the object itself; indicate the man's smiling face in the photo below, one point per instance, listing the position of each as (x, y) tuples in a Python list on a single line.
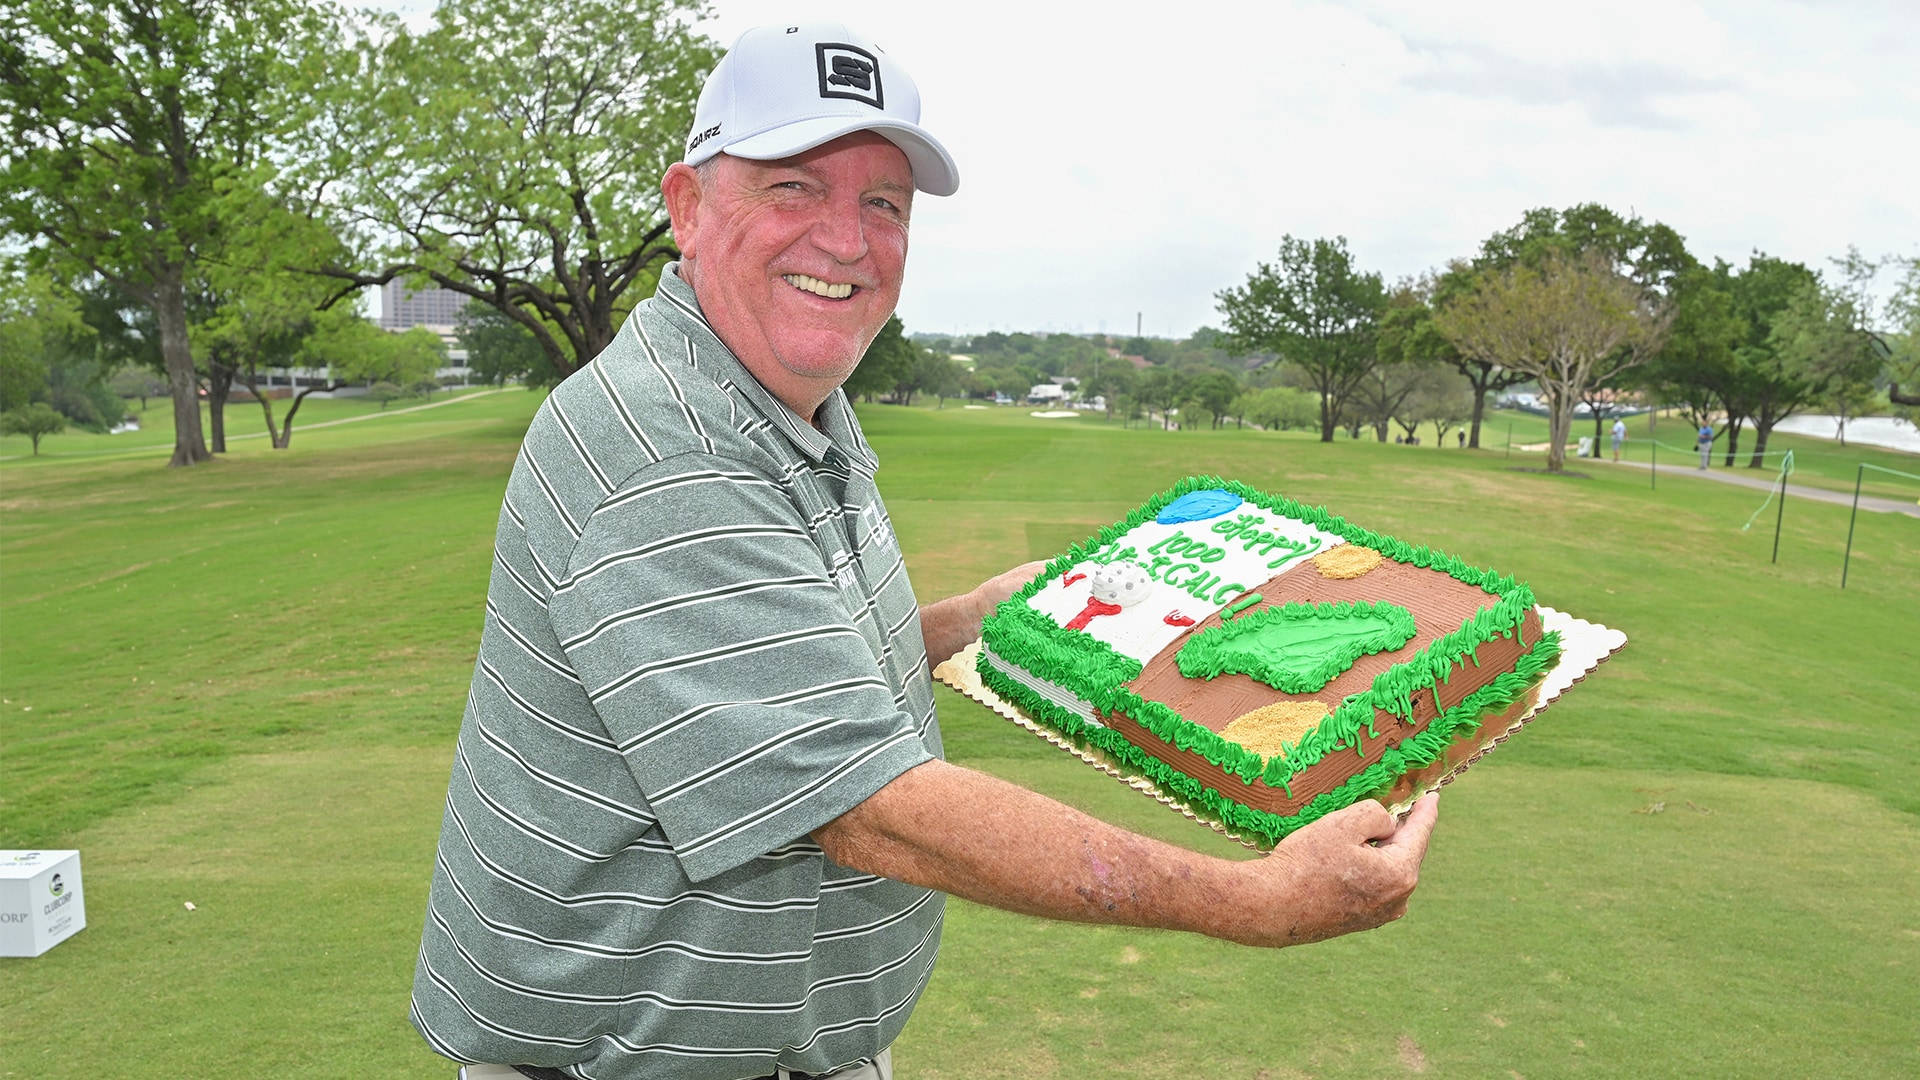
[(797, 262)]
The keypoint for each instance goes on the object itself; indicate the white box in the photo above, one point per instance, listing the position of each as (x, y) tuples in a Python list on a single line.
[(40, 901)]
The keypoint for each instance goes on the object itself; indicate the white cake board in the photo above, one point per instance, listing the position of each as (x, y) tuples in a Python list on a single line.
[(1583, 646)]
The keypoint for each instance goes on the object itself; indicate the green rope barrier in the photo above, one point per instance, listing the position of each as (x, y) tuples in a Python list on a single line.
[(1786, 470)]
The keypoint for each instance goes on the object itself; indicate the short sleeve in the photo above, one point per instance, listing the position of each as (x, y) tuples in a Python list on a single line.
[(702, 619)]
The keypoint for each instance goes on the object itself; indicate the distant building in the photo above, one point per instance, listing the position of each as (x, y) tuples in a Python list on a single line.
[(438, 310)]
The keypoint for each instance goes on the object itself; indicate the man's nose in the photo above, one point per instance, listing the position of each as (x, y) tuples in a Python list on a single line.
[(841, 231)]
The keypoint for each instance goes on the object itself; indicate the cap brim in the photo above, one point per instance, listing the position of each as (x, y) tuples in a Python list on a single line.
[(933, 169)]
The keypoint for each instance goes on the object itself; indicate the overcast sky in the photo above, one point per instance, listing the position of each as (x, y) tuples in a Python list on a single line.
[(1141, 159)]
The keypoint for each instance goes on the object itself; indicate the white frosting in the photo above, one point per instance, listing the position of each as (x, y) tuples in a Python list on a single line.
[(1060, 696), (1140, 629)]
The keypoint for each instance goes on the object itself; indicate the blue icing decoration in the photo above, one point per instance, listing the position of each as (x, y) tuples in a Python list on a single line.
[(1198, 506)]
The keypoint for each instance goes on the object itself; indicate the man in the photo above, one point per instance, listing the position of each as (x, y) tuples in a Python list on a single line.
[(1704, 441), (699, 824), (1619, 437)]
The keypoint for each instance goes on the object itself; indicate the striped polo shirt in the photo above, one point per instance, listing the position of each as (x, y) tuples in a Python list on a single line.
[(700, 645)]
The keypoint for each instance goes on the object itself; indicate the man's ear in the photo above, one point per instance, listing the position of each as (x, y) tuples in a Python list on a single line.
[(681, 189)]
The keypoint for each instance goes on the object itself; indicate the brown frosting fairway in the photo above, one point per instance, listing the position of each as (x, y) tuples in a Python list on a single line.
[(1439, 604)]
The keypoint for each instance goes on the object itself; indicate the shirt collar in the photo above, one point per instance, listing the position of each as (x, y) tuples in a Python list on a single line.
[(675, 302)]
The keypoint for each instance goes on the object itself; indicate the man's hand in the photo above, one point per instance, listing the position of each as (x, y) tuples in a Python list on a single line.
[(994, 591), (1351, 870), (950, 625)]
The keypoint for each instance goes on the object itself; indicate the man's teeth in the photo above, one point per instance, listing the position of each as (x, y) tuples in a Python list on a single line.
[(817, 287)]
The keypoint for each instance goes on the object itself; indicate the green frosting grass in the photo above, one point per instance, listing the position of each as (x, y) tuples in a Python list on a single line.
[(1296, 648)]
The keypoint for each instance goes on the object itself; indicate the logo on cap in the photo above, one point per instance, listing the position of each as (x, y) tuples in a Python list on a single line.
[(848, 71)]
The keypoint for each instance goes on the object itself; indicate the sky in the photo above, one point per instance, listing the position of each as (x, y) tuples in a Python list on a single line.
[(1123, 162)]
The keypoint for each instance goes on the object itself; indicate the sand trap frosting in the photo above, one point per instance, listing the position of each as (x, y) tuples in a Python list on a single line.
[(1046, 414)]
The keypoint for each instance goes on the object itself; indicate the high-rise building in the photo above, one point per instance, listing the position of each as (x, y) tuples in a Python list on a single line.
[(436, 309)]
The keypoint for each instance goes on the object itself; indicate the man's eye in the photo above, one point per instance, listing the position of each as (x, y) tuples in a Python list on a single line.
[(884, 204)]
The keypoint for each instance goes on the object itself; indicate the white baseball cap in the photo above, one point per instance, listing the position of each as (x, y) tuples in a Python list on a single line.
[(784, 89)]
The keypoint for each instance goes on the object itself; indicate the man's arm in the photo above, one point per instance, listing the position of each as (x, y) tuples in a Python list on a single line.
[(951, 625), (944, 827)]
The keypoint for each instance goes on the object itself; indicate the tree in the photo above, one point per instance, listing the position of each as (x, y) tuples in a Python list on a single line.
[(126, 117), (1573, 320), (1444, 399), (37, 320), (500, 350), (257, 308), (1316, 311), (887, 363), (1758, 377), (34, 421), (1408, 334), (1214, 391), (1816, 344), (1900, 345), (1893, 331), (1161, 388), (1277, 408), (1382, 395), (1694, 370), (936, 374), (1111, 382), (513, 156), (136, 382)]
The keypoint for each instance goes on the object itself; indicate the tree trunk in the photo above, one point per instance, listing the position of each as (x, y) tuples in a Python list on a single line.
[(1760, 432), (1326, 416), (1596, 434), (1479, 410), (1380, 431), (170, 311), (1733, 439), (1561, 422), (219, 386)]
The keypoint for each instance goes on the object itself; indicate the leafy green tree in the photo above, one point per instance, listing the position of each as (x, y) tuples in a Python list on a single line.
[(1900, 343), (126, 118), (1441, 397), (37, 320), (1111, 381), (384, 392), (1695, 370), (935, 374), (256, 306), (500, 350), (887, 363), (1382, 394), (1893, 330), (1408, 335), (1161, 388), (1317, 311), (1757, 376), (35, 421), (409, 358), (1816, 344), (1215, 392), (512, 155), (1278, 408), (136, 382), (1566, 322)]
